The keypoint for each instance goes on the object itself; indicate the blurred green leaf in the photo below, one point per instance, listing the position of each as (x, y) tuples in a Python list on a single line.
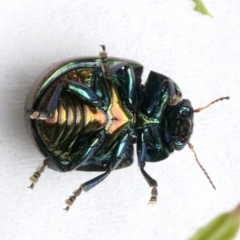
[(223, 227), (200, 7)]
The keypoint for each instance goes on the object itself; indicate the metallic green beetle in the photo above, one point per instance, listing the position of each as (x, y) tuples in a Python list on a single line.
[(86, 114)]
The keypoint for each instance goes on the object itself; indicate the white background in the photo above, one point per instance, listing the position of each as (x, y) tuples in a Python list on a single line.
[(200, 53)]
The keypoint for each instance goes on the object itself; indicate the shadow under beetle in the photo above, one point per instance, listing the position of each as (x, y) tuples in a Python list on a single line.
[(86, 114)]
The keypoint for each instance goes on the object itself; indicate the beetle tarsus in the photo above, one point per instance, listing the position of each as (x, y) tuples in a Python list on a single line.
[(153, 199), (40, 169), (71, 199), (38, 115), (152, 183), (66, 209), (175, 99), (104, 62), (103, 47), (31, 186)]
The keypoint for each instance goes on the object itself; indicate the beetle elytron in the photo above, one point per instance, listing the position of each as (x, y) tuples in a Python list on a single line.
[(86, 114)]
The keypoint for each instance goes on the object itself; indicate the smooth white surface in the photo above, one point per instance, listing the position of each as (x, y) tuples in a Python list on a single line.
[(200, 53)]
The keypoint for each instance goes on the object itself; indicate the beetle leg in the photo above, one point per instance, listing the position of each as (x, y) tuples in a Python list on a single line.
[(158, 101), (85, 93), (40, 169), (39, 115), (117, 159), (121, 151), (82, 91), (100, 86), (152, 183), (128, 83), (157, 149), (175, 94), (165, 90), (85, 186), (141, 162), (104, 62), (153, 107), (89, 152), (109, 73)]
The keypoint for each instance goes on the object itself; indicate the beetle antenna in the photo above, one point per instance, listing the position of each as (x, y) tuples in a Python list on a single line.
[(217, 100), (104, 62), (40, 169), (200, 165)]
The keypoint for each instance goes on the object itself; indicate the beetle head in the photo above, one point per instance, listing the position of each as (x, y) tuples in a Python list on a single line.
[(178, 124)]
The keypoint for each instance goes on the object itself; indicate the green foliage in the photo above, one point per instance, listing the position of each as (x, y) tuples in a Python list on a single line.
[(223, 227), (200, 7)]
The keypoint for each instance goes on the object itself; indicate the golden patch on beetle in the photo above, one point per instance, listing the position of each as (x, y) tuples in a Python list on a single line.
[(117, 116)]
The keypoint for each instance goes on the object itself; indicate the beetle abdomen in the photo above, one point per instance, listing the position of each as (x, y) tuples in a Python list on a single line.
[(60, 130), (72, 116)]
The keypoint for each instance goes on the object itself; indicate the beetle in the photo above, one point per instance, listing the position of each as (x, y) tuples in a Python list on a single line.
[(85, 114)]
